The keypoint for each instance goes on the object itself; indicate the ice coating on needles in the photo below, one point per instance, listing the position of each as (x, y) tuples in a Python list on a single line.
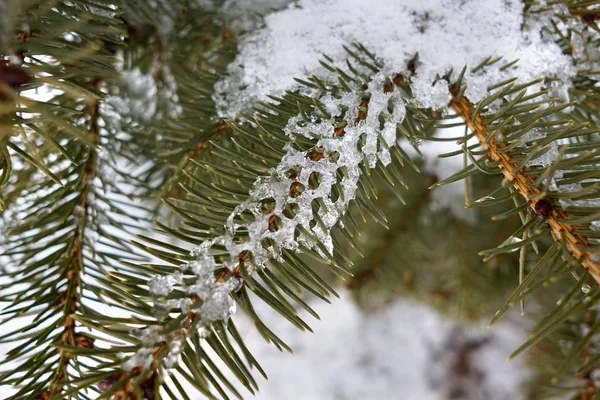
[(338, 152)]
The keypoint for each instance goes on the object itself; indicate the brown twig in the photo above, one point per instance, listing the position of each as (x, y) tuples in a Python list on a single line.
[(70, 298), (525, 184)]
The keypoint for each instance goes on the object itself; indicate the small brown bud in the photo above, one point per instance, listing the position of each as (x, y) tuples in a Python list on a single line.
[(12, 76), (544, 207), (84, 341)]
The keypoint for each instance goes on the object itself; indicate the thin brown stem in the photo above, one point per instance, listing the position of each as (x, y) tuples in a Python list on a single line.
[(544, 207), (588, 15), (70, 299)]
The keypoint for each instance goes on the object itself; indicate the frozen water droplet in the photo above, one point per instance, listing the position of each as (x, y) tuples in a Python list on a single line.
[(196, 252), (484, 198), (586, 288), (511, 240)]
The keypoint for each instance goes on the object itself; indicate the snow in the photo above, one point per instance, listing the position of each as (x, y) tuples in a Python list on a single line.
[(446, 34), (142, 97), (582, 36), (162, 285), (404, 351), (175, 348), (149, 337)]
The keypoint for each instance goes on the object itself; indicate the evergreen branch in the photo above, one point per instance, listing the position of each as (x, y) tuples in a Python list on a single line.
[(543, 184), (226, 232), (232, 257), (53, 59), (52, 249), (72, 295), (544, 207), (256, 206), (183, 72), (52, 246)]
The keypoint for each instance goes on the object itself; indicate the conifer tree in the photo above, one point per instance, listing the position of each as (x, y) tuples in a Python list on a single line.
[(164, 163)]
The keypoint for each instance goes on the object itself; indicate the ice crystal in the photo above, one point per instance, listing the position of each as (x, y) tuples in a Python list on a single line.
[(172, 357), (511, 241), (143, 357), (162, 285)]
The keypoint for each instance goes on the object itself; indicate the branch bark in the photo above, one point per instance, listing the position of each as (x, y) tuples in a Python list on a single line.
[(545, 207)]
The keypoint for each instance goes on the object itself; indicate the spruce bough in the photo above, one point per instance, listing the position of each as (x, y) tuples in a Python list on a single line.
[(130, 238)]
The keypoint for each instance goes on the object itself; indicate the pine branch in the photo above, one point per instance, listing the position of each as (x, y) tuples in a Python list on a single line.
[(72, 295), (184, 71), (60, 247), (208, 207), (543, 206), (21, 66), (256, 207), (242, 166)]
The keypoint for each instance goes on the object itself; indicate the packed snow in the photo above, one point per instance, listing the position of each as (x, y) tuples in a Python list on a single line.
[(404, 351), (446, 34)]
